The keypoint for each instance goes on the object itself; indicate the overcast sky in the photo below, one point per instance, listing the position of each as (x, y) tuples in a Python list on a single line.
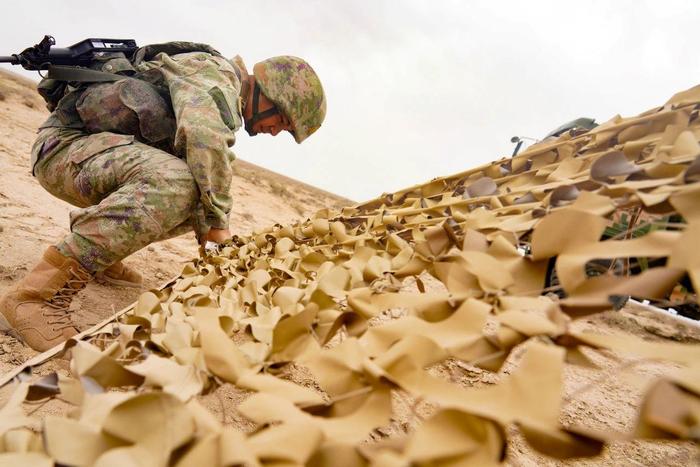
[(416, 89)]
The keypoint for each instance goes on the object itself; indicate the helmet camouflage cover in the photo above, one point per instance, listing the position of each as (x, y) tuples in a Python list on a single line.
[(293, 86)]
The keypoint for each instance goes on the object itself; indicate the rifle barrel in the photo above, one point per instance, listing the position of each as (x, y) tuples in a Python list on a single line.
[(12, 59)]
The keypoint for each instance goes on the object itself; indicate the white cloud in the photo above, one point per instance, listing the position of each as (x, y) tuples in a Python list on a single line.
[(416, 89)]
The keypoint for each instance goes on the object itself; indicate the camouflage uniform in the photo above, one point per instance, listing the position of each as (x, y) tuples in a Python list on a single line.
[(130, 193)]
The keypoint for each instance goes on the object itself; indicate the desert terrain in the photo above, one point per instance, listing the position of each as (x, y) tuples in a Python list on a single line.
[(31, 219)]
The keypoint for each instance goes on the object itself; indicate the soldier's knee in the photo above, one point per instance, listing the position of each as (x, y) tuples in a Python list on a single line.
[(177, 189)]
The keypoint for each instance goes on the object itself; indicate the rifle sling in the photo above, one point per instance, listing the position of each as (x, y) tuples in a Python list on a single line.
[(84, 75)]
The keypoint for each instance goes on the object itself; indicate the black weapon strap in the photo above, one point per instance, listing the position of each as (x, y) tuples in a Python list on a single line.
[(83, 75)]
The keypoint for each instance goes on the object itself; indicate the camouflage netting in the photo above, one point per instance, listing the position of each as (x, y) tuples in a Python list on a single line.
[(364, 300)]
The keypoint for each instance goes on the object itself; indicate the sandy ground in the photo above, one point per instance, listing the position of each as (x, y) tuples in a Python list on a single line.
[(31, 219)]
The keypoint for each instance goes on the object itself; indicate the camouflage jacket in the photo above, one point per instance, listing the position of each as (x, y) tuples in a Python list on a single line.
[(204, 94)]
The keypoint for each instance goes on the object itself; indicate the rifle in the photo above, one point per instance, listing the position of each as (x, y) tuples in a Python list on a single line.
[(42, 56)]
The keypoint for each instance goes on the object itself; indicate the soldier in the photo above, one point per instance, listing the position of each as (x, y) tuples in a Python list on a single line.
[(145, 158)]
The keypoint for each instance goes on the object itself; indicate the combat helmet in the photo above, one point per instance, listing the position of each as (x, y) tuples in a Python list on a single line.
[(293, 86)]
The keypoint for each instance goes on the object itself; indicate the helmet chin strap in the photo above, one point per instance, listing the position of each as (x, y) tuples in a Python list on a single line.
[(257, 116)]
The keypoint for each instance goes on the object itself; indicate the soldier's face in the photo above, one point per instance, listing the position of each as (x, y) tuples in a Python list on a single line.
[(272, 125)]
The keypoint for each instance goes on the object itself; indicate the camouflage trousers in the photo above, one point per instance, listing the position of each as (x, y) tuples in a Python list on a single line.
[(130, 194)]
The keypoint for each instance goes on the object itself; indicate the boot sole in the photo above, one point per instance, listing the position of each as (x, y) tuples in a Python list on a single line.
[(8, 329)]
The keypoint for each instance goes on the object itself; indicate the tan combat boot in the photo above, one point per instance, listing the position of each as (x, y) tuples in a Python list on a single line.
[(36, 309), (120, 274)]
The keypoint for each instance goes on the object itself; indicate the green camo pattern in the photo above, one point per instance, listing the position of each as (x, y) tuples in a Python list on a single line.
[(130, 107), (296, 90), (205, 95), (130, 194)]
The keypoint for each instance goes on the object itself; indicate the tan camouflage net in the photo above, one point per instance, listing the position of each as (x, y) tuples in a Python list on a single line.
[(365, 300)]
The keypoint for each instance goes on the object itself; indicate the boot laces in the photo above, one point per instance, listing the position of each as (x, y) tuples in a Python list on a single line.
[(57, 307)]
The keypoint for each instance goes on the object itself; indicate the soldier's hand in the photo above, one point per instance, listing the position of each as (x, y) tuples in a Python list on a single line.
[(217, 235)]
